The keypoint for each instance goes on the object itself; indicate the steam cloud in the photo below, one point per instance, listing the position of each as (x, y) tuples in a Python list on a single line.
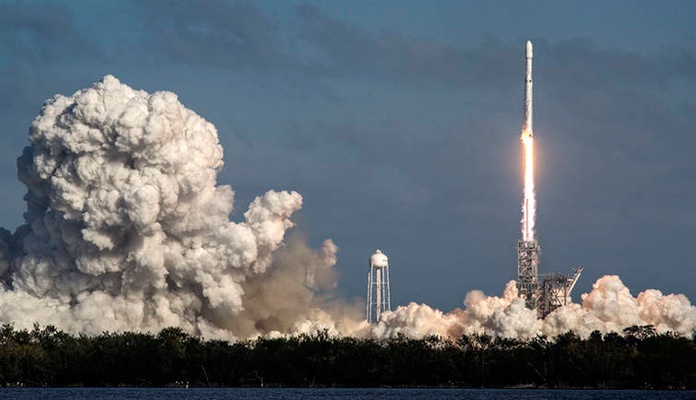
[(126, 229), (609, 307)]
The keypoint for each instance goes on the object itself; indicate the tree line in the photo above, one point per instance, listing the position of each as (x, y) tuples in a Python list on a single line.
[(637, 358)]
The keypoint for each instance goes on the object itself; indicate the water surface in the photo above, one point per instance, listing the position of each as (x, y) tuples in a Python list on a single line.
[(331, 394)]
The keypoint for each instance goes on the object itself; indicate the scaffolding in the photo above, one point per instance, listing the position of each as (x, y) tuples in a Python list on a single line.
[(543, 293), (555, 291), (527, 274)]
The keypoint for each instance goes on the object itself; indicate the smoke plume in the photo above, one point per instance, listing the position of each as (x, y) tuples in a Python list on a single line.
[(609, 307), (127, 229)]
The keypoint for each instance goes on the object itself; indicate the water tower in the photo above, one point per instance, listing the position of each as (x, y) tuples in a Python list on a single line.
[(378, 293)]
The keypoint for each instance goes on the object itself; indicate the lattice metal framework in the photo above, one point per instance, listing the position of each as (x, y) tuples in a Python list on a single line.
[(554, 291), (543, 293), (527, 275)]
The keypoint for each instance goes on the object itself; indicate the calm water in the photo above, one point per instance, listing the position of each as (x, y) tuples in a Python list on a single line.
[(342, 394)]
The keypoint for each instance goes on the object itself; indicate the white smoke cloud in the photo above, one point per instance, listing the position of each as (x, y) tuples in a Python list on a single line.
[(504, 316), (609, 307), (126, 229), (413, 320)]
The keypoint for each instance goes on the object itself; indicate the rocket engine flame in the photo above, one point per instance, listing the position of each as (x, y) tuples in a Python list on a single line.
[(529, 202)]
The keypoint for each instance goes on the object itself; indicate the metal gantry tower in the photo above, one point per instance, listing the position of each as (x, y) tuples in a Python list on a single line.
[(378, 291), (554, 291), (527, 272), (546, 292)]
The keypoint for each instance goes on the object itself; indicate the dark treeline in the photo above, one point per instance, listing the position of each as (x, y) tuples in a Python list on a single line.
[(638, 358)]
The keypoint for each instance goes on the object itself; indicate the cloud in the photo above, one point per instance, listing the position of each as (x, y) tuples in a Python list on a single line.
[(213, 33), (346, 49), (41, 33), (126, 228)]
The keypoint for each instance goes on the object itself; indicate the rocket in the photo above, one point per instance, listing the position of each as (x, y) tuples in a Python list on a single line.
[(527, 123)]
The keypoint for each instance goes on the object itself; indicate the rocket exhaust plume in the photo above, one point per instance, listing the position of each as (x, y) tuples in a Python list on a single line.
[(529, 203)]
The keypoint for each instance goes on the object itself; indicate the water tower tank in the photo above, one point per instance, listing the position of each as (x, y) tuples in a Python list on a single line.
[(379, 260)]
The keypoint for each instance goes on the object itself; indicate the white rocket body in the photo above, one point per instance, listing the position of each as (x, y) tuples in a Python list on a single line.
[(527, 123)]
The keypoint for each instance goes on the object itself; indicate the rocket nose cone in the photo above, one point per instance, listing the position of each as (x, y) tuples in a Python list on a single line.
[(528, 49)]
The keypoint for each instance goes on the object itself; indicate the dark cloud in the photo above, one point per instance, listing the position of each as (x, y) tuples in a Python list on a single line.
[(213, 33), (684, 61), (345, 48), (41, 33)]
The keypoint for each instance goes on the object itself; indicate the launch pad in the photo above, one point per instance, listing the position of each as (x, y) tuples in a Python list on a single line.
[(545, 292)]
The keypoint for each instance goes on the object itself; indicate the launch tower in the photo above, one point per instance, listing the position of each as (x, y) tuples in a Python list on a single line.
[(378, 292), (527, 271), (547, 292)]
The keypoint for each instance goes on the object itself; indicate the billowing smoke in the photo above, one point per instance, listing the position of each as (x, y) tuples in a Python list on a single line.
[(126, 229), (609, 307)]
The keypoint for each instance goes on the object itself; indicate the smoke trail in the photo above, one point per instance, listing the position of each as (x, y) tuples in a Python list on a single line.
[(529, 202)]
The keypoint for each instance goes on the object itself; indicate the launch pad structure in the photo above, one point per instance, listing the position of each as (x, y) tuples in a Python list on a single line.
[(543, 293), (527, 273)]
